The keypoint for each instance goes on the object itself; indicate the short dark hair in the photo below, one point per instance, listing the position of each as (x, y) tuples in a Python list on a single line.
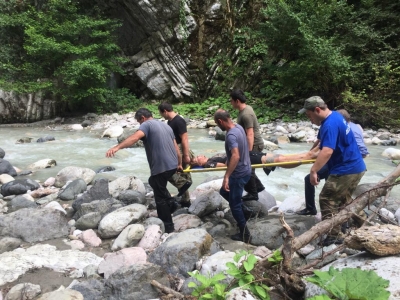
[(143, 112), (165, 106), (238, 95), (222, 114)]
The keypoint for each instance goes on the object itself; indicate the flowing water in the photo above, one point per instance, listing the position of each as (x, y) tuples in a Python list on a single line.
[(86, 149)]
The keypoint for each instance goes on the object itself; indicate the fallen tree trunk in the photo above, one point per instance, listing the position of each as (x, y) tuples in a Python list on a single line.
[(381, 189)]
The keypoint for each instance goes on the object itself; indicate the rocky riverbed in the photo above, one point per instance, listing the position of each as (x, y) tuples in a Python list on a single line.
[(77, 235)]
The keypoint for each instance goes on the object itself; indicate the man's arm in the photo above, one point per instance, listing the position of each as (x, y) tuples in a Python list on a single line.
[(185, 148), (323, 157), (129, 141), (316, 143), (231, 167), (178, 152), (250, 137)]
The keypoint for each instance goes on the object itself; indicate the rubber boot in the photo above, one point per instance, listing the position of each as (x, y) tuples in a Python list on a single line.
[(243, 235), (164, 214), (251, 189)]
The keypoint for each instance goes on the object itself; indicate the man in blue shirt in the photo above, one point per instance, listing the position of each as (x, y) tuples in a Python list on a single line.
[(238, 170), (340, 151)]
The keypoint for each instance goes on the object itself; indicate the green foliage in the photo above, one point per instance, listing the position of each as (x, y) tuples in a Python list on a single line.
[(240, 269), (209, 287), (118, 100), (276, 257), (320, 297), (352, 284), (57, 48), (244, 278)]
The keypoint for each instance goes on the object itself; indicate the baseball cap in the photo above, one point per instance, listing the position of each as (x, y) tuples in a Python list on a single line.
[(311, 103)]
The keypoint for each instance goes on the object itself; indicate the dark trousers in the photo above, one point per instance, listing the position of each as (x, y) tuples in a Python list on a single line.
[(162, 196), (234, 197), (309, 189), (254, 184)]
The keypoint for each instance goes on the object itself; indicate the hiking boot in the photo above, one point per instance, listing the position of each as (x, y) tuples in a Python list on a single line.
[(173, 205), (169, 227), (242, 236), (306, 212)]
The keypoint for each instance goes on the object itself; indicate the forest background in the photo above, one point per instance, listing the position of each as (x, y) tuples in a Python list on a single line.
[(279, 51)]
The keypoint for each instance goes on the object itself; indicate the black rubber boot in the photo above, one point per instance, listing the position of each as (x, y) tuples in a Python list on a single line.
[(243, 235), (164, 214)]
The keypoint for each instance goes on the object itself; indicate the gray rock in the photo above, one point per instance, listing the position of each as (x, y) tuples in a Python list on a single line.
[(46, 138), (18, 187), (86, 123), (88, 221), (128, 132), (130, 197), (34, 225), (105, 169), (76, 187), (206, 203), (180, 252), (133, 282), (91, 289), (24, 140), (99, 191), (101, 206), (7, 168), (259, 210), (20, 202), (153, 221), (23, 291), (266, 199), (9, 244), (72, 173), (268, 232)]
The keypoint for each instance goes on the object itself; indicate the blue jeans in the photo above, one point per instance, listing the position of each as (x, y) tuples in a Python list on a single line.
[(309, 189), (234, 197)]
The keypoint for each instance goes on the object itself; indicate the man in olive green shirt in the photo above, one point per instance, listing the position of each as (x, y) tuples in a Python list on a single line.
[(248, 120)]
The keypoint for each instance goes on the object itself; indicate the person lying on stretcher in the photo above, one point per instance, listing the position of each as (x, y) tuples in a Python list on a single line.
[(219, 160)]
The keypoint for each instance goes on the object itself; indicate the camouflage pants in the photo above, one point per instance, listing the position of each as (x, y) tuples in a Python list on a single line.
[(179, 179), (336, 194)]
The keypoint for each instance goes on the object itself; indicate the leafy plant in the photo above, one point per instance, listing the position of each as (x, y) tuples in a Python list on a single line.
[(244, 278), (209, 287), (351, 283), (320, 297), (276, 257)]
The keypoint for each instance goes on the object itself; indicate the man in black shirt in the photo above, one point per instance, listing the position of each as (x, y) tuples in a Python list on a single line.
[(181, 181)]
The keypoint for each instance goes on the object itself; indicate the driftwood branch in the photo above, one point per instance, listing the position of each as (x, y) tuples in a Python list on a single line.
[(346, 213), (167, 290)]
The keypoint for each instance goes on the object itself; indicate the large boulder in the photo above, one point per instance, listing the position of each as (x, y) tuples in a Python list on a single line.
[(42, 164), (113, 132), (180, 252), (16, 263), (98, 191), (129, 237), (206, 203), (20, 202), (9, 244), (72, 173), (102, 207), (19, 187), (7, 168), (134, 282), (113, 223), (126, 183), (74, 188), (34, 225)]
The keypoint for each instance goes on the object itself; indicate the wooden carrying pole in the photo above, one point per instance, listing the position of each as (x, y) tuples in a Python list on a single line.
[(278, 164)]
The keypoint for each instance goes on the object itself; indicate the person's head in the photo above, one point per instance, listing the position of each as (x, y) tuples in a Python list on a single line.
[(165, 106), (198, 161), (315, 108), (237, 98), (222, 118), (345, 114), (142, 114), (2, 153)]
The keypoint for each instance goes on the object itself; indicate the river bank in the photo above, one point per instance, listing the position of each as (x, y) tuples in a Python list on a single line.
[(88, 245)]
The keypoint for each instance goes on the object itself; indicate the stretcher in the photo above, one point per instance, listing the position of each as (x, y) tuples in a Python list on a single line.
[(277, 164)]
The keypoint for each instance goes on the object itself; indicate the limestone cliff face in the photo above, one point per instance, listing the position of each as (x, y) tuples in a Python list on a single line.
[(168, 43), (24, 108)]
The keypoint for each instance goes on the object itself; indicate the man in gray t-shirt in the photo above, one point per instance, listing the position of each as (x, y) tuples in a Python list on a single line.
[(163, 157), (238, 170)]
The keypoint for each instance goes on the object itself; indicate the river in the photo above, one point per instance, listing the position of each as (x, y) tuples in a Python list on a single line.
[(85, 148)]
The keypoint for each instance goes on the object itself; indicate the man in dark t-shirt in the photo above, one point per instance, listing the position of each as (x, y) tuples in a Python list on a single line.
[(180, 180)]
